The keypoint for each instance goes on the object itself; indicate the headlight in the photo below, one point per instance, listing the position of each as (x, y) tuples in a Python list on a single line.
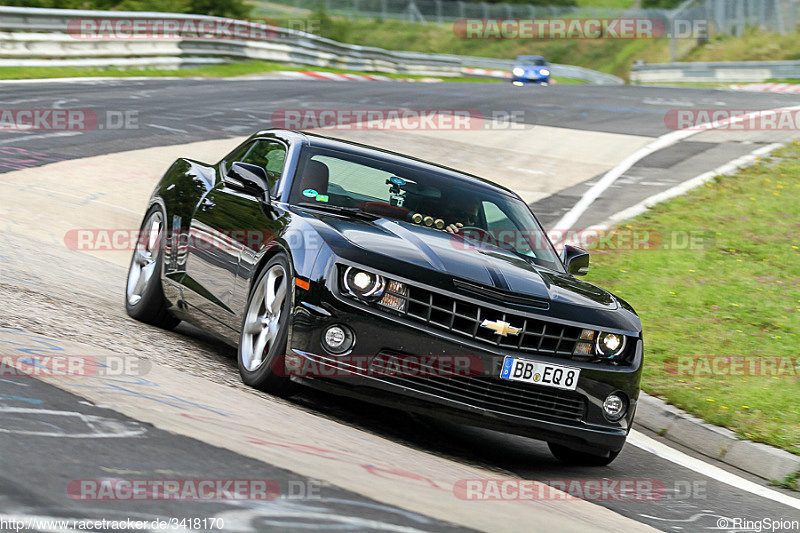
[(372, 287), (544, 72), (516, 71), (363, 284), (610, 345)]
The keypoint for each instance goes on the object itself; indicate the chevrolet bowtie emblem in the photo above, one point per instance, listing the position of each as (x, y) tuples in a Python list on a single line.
[(500, 327)]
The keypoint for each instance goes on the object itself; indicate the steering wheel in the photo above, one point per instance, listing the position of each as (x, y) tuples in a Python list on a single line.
[(469, 233)]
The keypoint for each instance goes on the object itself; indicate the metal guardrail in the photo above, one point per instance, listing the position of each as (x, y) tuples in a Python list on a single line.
[(721, 71), (33, 37), (27, 40)]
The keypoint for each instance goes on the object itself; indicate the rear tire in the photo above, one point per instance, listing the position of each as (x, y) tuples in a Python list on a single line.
[(265, 330), (144, 295), (579, 458)]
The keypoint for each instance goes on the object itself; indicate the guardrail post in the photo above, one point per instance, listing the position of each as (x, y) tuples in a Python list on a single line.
[(439, 11)]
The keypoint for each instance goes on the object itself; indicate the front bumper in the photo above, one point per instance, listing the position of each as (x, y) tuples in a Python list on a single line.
[(530, 79), (483, 400)]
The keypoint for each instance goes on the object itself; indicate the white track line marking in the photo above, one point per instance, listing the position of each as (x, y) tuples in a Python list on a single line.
[(681, 188), (571, 217), (175, 130), (647, 444)]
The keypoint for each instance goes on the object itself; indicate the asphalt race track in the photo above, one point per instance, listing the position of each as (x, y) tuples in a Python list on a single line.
[(53, 298)]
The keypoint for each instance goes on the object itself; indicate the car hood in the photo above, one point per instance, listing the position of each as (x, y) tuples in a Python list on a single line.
[(437, 250)]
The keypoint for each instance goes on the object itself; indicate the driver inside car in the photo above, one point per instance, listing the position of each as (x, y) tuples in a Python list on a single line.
[(462, 211)]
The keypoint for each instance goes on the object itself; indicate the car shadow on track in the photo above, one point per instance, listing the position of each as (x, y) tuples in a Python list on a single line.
[(481, 447), (474, 446)]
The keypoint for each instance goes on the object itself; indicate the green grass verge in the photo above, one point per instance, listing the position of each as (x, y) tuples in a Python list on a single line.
[(211, 71), (737, 295), (754, 45), (605, 55)]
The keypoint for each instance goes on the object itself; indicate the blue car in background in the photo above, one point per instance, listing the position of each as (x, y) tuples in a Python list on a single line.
[(530, 69)]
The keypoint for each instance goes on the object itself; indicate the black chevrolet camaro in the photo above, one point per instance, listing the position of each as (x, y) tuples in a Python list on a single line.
[(382, 277)]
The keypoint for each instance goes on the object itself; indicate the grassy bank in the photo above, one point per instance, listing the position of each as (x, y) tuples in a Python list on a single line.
[(754, 45), (734, 294), (613, 56)]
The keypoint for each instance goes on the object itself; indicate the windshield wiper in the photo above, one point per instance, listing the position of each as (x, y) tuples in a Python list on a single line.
[(339, 210)]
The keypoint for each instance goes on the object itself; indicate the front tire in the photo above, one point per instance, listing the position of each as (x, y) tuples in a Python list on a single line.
[(144, 295), (578, 458), (265, 329)]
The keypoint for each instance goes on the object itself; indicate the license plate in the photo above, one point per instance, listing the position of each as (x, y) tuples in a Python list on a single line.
[(560, 377)]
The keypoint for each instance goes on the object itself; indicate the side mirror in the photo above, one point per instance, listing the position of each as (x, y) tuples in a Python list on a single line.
[(576, 260), (249, 178)]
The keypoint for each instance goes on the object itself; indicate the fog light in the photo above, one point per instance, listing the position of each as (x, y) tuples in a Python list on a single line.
[(615, 407), (337, 339)]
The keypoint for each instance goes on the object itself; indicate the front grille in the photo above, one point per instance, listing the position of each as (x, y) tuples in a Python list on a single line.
[(464, 318), (518, 399)]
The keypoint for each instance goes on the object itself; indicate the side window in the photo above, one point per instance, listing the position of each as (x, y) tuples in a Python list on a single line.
[(505, 231), (237, 154), (495, 218), (270, 156)]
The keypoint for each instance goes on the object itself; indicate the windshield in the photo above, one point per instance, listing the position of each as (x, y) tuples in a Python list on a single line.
[(531, 62), (475, 216)]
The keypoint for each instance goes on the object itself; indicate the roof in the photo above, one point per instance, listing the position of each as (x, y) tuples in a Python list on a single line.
[(314, 139)]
